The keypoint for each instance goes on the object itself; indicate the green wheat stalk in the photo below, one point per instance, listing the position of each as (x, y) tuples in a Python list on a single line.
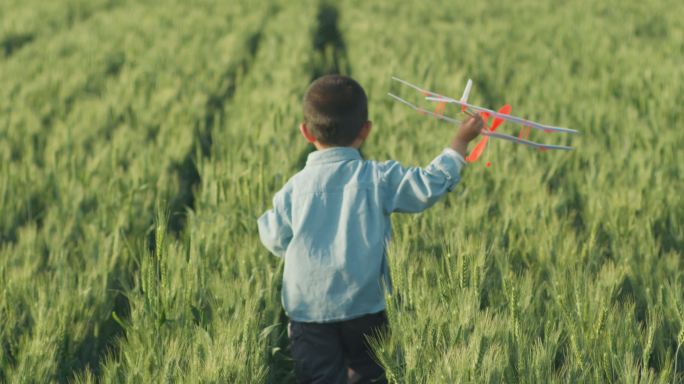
[(680, 341)]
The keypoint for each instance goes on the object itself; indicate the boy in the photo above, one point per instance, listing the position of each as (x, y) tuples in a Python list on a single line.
[(331, 223)]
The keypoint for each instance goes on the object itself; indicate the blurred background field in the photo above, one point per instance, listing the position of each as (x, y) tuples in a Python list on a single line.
[(139, 142)]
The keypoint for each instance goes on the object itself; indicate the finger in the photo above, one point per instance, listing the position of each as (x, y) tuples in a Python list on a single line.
[(469, 112), (479, 122)]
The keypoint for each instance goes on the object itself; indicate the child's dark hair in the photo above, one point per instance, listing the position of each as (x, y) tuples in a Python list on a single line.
[(335, 109)]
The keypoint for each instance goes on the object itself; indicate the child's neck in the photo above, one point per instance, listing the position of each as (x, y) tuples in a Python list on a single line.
[(319, 146)]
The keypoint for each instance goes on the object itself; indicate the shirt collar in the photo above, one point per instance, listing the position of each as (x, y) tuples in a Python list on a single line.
[(334, 154)]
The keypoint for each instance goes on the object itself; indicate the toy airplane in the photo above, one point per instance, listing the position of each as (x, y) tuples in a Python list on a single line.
[(499, 116)]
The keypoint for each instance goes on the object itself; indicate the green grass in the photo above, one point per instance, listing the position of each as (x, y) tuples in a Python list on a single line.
[(139, 143)]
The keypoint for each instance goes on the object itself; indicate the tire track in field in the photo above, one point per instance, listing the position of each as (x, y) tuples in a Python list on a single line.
[(38, 202), (186, 170), (329, 55), (188, 179), (100, 341), (14, 42), (74, 357)]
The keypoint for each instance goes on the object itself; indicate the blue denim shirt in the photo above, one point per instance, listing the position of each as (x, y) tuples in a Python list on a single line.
[(331, 223)]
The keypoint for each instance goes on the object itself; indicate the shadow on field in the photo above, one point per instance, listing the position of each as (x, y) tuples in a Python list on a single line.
[(329, 56), (330, 50)]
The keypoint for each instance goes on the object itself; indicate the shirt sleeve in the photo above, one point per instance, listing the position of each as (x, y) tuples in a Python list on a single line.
[(275, 227), (417, 189)]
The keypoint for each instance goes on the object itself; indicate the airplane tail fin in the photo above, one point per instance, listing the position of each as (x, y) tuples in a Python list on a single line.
[(466, 93)]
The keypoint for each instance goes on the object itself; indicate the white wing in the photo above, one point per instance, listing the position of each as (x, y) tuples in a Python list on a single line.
[(425, 111), (417, 88), (511, 118), (514, 139)]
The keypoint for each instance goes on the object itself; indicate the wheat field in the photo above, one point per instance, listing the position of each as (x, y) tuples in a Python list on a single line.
[(140, 140)]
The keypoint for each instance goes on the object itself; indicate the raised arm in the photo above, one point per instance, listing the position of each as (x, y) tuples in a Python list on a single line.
[(416, 189), (275, 226)]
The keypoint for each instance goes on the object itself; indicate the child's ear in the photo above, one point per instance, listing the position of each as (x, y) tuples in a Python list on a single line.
[(365, 131), (305, 132)]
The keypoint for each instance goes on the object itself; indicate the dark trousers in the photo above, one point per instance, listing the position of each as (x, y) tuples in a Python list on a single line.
[(337, 352)]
